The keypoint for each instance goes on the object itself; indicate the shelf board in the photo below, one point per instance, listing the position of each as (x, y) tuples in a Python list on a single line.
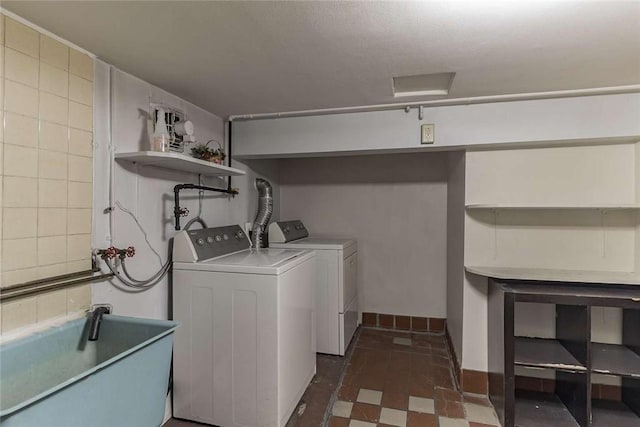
[(608, 413), (545, 353), (615, 359), (605, 206), (179, 162), (553, 275), (533, 409)]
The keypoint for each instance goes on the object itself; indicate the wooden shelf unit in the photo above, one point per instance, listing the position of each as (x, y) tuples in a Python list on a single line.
[(545, 353), (572, 354), (615, 359), (179, 162)]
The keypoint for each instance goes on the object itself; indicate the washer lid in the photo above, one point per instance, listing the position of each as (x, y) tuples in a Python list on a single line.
[(251, 261), (317, 242), (257, 258)]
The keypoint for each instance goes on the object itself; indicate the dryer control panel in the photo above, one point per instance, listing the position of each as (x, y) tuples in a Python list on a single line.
[(287, 231), (207, 243)]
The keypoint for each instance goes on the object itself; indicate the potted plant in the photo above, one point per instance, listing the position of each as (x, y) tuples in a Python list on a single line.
[(204, 152)]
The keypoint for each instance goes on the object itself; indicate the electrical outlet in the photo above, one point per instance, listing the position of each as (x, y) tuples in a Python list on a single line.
[(428, 136)]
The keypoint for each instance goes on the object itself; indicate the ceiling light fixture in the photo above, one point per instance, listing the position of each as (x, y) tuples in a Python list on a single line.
[(437, 84)]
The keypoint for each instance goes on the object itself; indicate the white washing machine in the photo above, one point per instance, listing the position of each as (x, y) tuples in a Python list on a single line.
[(245, 351), (335, 284)]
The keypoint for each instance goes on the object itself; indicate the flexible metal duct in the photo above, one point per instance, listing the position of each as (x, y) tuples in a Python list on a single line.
[(265, 209)]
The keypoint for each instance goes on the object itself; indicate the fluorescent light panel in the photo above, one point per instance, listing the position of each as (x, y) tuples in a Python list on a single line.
[(423, 85)]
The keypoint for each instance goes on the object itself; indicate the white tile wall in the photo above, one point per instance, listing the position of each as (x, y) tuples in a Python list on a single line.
[(52, 193), (81, 65), (19, 253), (80, 116), (21, 99), (20, 37), (52, 222), (80, 169), (20, 192), (80, 143), (19, 223), (54, 80), (54, 108), (79, 221), (80, 195), (52, 250), (16, 314), (54, 53), (51, 304), (46, 150), (52, 165), (80, 90), (78, 246), (20, 130), (20, 161), (54, 137), (21, 68)]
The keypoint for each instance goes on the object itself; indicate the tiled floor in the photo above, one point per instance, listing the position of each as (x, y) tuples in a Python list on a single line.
[(404, 379), (392, 379)]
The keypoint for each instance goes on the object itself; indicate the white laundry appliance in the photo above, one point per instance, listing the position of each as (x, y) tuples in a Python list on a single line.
[(335, 284), (245, 351)]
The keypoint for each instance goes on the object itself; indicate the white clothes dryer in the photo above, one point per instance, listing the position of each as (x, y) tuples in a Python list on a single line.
[(336, 278)]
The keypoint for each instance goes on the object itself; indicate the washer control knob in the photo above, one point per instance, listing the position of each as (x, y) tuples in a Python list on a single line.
[(239, 235), (218, 238), (225, 236), (209, 239), (287, 229), (200, 241)]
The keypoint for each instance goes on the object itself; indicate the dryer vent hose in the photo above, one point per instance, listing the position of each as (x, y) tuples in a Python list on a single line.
[(265, 209)]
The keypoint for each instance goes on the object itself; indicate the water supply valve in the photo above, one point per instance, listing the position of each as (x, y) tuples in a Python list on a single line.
[(113, 252)]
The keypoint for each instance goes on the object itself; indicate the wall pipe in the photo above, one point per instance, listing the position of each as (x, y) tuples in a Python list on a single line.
[(445, 102), (177, 211)]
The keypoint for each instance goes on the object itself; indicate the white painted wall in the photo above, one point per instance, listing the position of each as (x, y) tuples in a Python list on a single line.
[(148, 191), (583, 174), (455, 249), (396, 207), (538, 121)]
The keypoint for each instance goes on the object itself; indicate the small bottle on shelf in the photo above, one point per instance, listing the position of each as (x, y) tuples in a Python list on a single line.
[(161, 137)]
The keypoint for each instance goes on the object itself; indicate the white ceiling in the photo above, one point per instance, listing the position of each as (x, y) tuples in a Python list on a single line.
[(255, 57)]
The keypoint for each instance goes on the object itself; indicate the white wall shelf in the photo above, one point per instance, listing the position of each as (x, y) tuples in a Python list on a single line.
[(553, 275), (178, 162), (593, 206)]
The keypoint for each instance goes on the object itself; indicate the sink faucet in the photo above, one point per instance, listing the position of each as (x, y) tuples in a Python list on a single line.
[(97, 311)]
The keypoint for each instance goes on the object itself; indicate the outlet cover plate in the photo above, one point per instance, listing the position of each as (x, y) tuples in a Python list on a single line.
[(427, 134)]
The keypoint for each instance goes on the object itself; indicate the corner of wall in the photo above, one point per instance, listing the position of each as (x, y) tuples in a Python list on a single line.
[(455, 252)]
